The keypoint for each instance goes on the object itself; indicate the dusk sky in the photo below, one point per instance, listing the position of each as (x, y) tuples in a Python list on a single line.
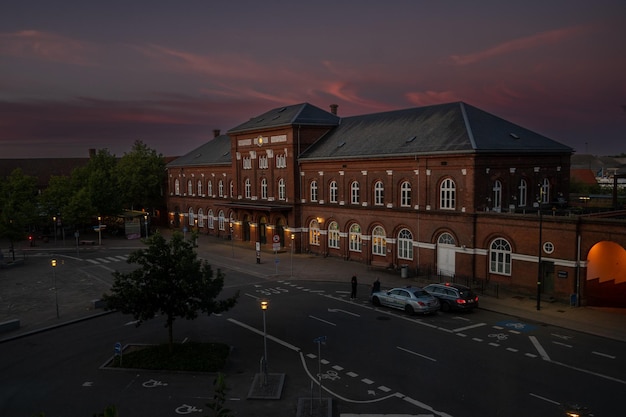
[(84, 74)]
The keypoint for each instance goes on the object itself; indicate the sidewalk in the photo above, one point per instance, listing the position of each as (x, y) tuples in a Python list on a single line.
[(226, 254)]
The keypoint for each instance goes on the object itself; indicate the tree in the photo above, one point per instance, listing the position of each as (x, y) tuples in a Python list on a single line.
[(141, 174), (171, 281), (18, 208), (99, 178)]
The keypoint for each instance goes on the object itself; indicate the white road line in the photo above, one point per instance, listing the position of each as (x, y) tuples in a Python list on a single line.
[(476, 339), (93, 261), (416, 354), (603, 355), (562, 344), (103, 260), (544, 398), (542, 352), (259, 332), (322, 320), (473, 326), (251, 296)]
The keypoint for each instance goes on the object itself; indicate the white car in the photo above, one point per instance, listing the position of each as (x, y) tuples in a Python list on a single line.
[(410, 299)]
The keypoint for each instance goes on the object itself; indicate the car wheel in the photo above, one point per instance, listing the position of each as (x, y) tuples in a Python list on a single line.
[(445, 306), (376, 301), (409, 310)]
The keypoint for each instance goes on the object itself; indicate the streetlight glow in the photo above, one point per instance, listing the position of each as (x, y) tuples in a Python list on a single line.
[(53, 262)]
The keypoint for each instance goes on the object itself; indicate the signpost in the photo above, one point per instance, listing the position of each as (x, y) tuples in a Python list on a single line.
[(276, 248), (118, 351)]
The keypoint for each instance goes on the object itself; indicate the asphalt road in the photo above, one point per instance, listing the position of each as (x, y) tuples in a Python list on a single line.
[(373, 361)]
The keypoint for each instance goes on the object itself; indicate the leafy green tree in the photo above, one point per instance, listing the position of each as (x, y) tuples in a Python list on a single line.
[(171, 281), (18, 207), (141, 175), (100, 179)]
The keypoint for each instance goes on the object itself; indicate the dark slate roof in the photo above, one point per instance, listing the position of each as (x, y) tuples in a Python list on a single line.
[(214, 152), (445, 128), (303, 114)]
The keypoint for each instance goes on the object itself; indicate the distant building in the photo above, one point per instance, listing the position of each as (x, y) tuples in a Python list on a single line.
[(447, 191)]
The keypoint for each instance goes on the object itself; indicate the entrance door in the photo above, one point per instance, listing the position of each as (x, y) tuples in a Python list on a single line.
[(446, 255)]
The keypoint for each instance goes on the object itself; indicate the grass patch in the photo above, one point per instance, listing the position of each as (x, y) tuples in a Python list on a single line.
[(192, 356)]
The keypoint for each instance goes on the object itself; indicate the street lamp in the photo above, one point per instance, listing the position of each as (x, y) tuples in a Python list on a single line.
[(54, 219), (53, 262), (145, 216), (99, 231), (232, 239), (293, 238), (264, 307)]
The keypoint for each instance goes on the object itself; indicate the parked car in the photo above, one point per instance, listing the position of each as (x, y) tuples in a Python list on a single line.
[(410, 299), (453, 296)]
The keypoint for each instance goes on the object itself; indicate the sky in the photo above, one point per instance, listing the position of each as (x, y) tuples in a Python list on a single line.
[(78, 74)]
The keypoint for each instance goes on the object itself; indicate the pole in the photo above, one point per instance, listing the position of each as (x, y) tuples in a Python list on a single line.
[(539, 268), (99, 231), (292, 242), (54, 285), (264, 306), (232, 240), (146, 219)]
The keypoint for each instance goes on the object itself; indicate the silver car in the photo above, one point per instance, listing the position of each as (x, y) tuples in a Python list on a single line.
[(410, 299)]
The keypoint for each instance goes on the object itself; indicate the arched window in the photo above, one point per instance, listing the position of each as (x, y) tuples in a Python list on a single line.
[(210, 220), (200, 217), (379, 241), (191, 217), (199, 188), (545, 191), (500, 257), (220, 188), (314, 233), (355, 238), (405, 194), (405, 244), (497, 196), (447, 199), (282, 189), (248, 188), (231, 187), (523, 192), (379, 193), (313, 189), (189, 188), (446, 239), (355, 196), (264, 188), (333, 235), (177, 186), (209, 188), (220, 220), (334, 193)]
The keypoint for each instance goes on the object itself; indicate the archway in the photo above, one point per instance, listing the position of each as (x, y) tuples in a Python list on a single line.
[(606, 275)]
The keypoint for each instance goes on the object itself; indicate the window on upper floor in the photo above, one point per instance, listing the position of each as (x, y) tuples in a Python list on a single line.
[(497, 196), (379, 193), (264, 188), (220, 188), (248, 188), (405, 194), (282, 189), (189, 188), (500, 257), (355, 196), (199, 188), (447, 194), (177, 186), (523, 193), (263, 164), (313, 191), (545, 191), (246, 162), (334, 192), (231, 189), (209, 188)]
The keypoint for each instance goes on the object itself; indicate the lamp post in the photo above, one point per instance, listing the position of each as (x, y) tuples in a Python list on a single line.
[(53, 262), (54, 219), (319, 341), (145, 216), (264, 307), (99, 230), (539, 269), (293, 238)]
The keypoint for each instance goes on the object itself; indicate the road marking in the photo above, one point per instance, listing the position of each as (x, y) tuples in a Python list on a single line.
[(544, 398), (510, 349), (476, 339), (562, 344), (335, 310), (367, 381), (542, 352), (603, 355), (337, 368), (259, 332), (416, 354), (322, 320), (473, 326), (352, 374), (93, 261)]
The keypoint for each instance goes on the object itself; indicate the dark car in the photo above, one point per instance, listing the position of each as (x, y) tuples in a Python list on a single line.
[(453, 296)]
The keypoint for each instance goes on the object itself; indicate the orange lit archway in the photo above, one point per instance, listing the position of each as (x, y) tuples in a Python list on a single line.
[(606, 275)]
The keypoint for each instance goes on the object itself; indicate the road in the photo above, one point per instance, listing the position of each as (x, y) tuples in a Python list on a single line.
[(373, 360)]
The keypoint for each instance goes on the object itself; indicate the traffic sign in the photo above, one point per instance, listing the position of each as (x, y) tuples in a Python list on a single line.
[(276, 239)]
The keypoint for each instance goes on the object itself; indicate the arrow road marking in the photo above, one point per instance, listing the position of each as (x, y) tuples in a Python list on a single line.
[(335, 310)]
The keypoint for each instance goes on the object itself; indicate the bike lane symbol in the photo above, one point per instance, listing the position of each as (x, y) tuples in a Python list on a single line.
[(187, 409), (151, 383)]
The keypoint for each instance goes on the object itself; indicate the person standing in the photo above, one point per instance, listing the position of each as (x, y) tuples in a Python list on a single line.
[(376, 286), (353, 283)]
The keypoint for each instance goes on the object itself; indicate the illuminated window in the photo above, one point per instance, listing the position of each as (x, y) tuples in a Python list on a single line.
[(333, 235), (355, 238), (379, 241), (314, 233)]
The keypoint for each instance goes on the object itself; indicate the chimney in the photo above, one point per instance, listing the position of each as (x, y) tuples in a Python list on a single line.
[(216, 133), (333, 108)]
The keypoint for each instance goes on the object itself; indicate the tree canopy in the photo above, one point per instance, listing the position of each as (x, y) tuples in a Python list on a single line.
[(170, 281)]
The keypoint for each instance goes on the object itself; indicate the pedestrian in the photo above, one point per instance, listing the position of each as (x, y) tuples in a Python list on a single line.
[(376, 286), (353, 282)]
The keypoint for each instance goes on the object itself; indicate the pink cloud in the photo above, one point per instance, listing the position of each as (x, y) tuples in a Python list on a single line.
[(44, 46), (431, 97), (529, 42)]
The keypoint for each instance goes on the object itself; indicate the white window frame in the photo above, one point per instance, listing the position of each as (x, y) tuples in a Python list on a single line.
[(313, 191), (379, 241), (523, 193), (379, 193), (500, 257), (264, 188), (405, 194), (247, 188), (447, 194), (355, 196), (334, 192), (334, 237), (314, 233), (355, 238), (282, 189), (405, 244)]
